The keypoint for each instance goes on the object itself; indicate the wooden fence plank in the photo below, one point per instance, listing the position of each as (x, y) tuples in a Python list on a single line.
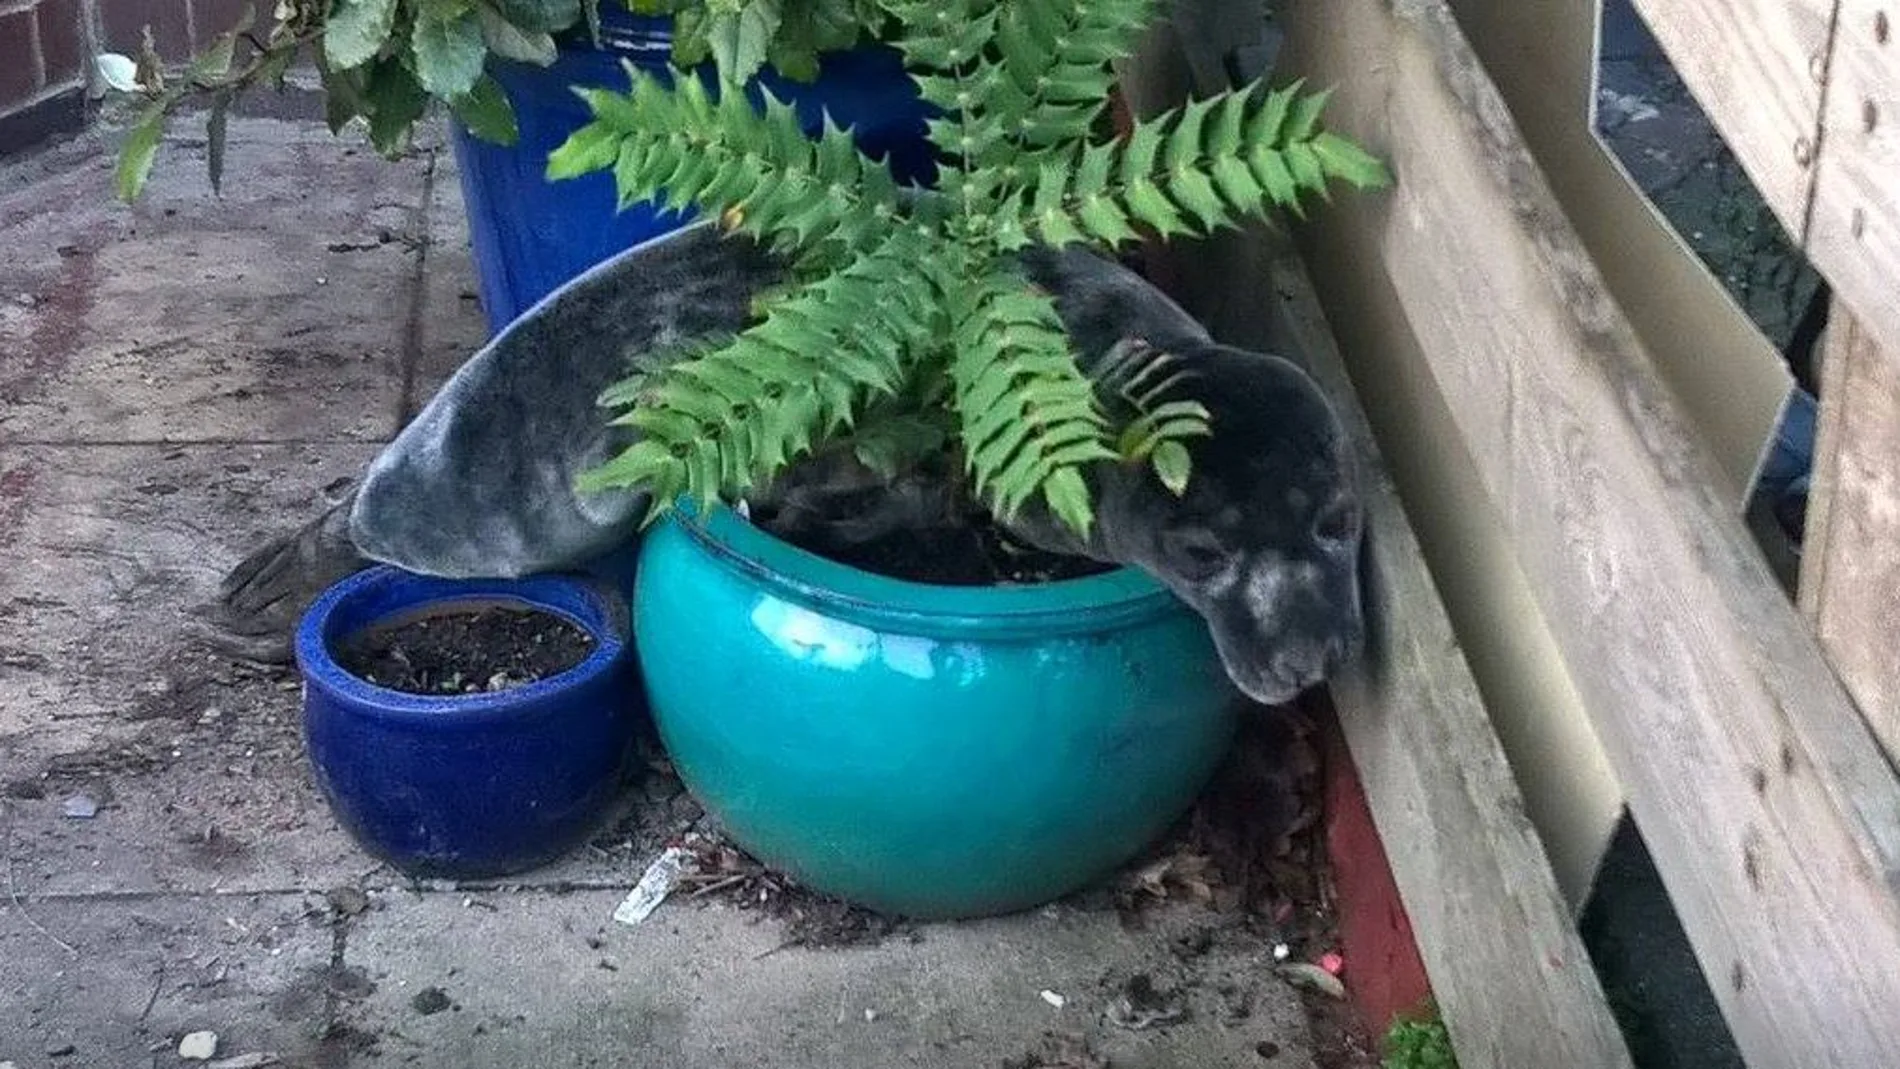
[(1543, 57), (1508, 970), (1854, 237), (1807, 94), (1756, 67), (1771, 812), (1850, 567)]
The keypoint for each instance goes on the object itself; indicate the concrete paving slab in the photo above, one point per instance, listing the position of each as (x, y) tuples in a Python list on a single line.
[(226, 807), (106, 547), (142, 972), (550, 980), (278, 311), (197, 763)]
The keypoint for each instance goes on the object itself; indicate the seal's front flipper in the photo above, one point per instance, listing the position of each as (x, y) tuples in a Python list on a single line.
[(261, 599)]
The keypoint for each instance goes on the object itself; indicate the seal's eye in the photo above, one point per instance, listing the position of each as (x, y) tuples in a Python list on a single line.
[(1338, 523), (1195, 551)]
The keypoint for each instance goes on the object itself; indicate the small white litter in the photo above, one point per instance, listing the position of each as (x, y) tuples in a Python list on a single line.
[(655, 884), (1054, 999), (121, 73), (198, 1046)]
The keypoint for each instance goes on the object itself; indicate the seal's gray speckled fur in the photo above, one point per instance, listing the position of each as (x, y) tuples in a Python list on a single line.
[(1263, 545)]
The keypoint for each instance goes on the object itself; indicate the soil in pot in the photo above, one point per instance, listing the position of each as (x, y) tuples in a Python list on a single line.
[(974, 552), (465, 650)]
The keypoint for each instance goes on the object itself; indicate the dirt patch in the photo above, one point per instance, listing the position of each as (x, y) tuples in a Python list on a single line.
[(430, 1001), (1059, 1050), (724, 873), (216, 849), (459, 651)]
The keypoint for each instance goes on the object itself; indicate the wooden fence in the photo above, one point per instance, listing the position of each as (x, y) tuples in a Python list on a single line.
[(1475, 325)]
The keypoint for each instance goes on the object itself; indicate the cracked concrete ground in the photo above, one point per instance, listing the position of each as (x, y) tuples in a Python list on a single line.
[(179, 379)]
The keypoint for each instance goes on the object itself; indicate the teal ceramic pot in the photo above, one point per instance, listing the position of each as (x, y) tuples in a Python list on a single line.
[(923, 750)]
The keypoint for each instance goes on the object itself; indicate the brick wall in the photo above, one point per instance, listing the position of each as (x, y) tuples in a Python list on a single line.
[(46, 48)]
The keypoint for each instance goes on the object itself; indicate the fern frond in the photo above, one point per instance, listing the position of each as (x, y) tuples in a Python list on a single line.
[(1144, 383), (716, 424), (1057, 58), (1029, 418), (1199, 168), (690, 148)]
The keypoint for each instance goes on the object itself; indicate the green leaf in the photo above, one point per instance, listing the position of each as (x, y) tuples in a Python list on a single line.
[(1304, 164), (449, 52), (541, 16), (1223, 138), (212, 65), (1183, 148), (1138, 151), (1237, 184), (1348, 161), (486, 112), (356, 30), (513, 42), (1305, 118), (1068, 498), (1269, 122), (1271, 169), (1195, 193), (1147, 203), (1172, 464), (1105, 220), (139, 150), (215, 130), (395, 100), (593, 147), (739, 39)]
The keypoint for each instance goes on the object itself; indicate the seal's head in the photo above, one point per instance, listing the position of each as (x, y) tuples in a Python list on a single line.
[(1265, 542)]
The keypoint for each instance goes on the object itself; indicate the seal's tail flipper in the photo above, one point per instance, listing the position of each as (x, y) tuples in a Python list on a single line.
[(261, 599)]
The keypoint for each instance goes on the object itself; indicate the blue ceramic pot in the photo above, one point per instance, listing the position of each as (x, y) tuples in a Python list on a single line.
[(928, 751), (531, 235), (465, 786)]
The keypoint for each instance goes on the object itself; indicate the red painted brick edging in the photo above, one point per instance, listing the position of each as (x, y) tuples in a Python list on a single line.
[(1385, 977)]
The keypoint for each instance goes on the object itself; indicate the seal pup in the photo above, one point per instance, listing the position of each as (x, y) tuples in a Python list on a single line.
[(481, 483)]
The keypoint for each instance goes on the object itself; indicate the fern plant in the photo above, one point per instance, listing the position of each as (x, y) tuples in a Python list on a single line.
[(908, 323)]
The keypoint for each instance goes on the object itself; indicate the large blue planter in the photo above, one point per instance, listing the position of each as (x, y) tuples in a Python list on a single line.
[(531, 235), (474, 785), (929, 751)]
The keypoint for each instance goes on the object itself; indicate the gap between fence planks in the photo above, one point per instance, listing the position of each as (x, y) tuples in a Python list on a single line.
[(1770, 810)]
